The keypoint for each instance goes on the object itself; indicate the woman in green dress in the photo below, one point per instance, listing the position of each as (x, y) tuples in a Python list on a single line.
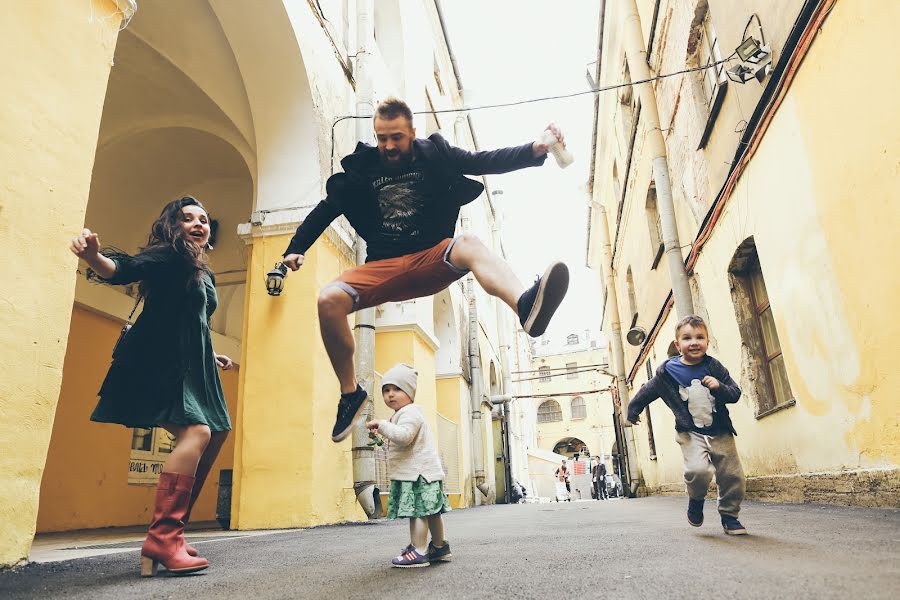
[(163, 372)]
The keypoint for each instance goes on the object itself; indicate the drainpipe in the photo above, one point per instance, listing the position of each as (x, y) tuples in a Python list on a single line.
[(503, 320), (636, 55), (364, 481), (479, 482), (623, 427)]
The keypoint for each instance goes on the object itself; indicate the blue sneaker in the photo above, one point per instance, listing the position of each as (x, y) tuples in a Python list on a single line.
[(410, 557), (695, 512), (442, 553), (732, 526)]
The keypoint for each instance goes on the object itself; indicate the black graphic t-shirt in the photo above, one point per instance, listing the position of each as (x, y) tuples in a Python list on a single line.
[(411, 219), (401, 202)]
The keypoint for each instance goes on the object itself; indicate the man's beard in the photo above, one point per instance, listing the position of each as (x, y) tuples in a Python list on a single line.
[(397, 164)]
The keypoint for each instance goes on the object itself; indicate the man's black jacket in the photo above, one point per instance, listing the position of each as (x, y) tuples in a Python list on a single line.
[(351, 193)]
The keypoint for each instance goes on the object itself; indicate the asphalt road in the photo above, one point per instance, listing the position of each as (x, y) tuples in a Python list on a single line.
[(613, 549)]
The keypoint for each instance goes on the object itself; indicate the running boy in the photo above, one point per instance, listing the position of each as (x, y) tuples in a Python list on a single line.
[(697, 388), (417, 478)]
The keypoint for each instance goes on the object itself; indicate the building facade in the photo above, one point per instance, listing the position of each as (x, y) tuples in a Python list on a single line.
[(120, 106), (782, 192), (572, 405)]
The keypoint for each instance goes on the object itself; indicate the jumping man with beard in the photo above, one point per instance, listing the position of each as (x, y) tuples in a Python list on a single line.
[(403, 198)]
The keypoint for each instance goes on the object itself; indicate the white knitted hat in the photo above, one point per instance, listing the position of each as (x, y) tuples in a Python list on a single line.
[(404, 377)]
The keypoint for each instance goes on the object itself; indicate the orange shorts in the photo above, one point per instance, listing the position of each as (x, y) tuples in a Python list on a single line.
[(403, 278)]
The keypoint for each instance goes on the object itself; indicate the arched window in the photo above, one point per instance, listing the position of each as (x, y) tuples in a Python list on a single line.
[(632, 297), (655, 227), (579, 410), (549, 412), (572, 339)]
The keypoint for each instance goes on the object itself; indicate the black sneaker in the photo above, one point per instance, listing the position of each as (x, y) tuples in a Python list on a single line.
[(349, 410), (732, 526), (538, 303), (695, 512), (442, 553)]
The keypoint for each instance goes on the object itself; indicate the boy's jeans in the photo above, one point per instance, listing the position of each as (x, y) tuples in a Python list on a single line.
[(705, 454)]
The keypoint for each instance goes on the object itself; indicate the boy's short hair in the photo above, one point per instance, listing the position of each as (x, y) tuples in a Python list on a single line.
[(692, 320), (391, 108)]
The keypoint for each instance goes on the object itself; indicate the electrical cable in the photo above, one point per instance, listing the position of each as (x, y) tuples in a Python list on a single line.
[(533, 100)]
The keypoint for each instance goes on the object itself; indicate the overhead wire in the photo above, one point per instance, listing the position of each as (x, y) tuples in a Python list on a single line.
[(533, 100)]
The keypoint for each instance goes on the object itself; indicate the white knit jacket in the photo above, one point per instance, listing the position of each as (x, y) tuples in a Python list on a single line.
[(411, 448)]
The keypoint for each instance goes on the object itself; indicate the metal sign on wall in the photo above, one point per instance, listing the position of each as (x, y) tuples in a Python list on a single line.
[(149, 450)]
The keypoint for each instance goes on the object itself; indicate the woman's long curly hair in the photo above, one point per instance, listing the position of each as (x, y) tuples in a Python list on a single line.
[(166, 236), (167, 232)]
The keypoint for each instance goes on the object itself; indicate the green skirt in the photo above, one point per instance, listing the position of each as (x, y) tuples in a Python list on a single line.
[(417, 499)]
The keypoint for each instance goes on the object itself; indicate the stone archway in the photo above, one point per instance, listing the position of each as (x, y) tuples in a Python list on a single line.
[(570, 446), (161, 136)]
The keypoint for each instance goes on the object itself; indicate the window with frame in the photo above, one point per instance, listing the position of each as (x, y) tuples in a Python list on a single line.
[(617, 192), (654, 226), (543, 373), (572, 339), (627, 103), (771, 386), (549, 412), (572, 370), (710, 83), (771, 345), (579, 410), (632, 297)]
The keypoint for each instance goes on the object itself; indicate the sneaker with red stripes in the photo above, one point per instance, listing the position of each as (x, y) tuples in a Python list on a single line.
[(410, 557)]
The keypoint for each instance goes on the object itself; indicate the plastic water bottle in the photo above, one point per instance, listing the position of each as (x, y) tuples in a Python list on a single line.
[(562, 156)]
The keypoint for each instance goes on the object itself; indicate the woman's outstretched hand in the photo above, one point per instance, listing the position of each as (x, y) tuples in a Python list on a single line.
[(86, 246)]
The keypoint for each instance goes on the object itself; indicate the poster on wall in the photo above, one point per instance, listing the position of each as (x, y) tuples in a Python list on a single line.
[(149, 450)]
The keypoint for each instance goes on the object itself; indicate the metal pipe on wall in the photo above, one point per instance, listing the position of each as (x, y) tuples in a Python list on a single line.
[(364, 480), (636, 55), (625, 442)]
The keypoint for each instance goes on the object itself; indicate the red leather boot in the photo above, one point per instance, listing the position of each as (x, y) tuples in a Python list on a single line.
[(199, 480), (165, 539)]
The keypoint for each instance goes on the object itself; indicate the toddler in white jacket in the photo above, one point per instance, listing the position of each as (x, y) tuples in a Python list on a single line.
[(417, 478)]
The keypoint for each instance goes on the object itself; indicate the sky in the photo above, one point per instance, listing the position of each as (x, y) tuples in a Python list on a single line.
[(514, 50)]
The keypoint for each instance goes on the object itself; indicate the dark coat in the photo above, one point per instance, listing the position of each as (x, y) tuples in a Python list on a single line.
[(351, 193), (164, 370), (664, 386)]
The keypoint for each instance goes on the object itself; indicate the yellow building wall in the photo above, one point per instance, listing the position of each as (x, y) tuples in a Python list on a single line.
[(452, 403), (820, 199), (287, 471), (85, 482), (596, 430), (59, 61)]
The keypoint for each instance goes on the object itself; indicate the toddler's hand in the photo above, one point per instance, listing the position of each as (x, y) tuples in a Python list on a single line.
[(710, 382), (372, 425)]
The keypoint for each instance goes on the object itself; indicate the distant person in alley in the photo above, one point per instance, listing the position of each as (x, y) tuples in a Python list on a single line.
[(414, 466), (599, 479), (698, 388), (403, 197), (563, 482)]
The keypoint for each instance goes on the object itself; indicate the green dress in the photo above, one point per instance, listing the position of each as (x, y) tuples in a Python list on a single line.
[(417, 499), (165, 369)]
